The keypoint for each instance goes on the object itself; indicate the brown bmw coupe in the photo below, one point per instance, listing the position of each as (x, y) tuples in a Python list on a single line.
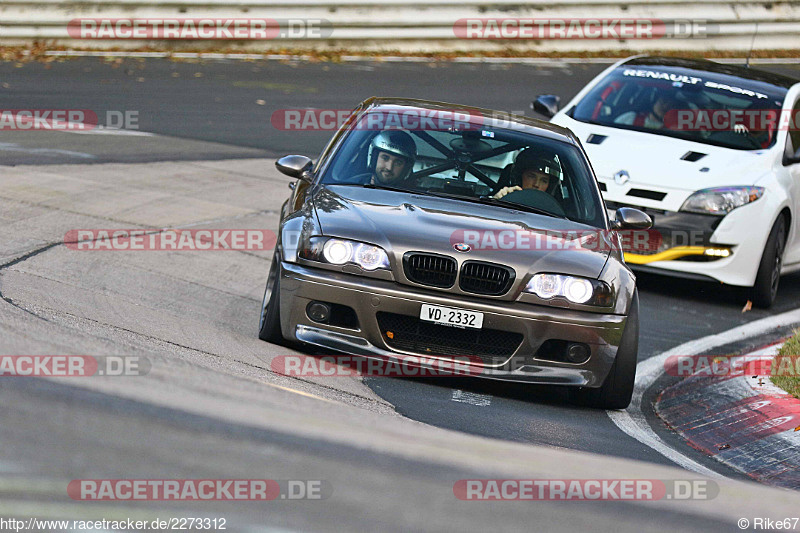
[(447, 232)]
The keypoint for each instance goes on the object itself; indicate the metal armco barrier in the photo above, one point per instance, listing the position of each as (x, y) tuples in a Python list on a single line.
[(415, 26)]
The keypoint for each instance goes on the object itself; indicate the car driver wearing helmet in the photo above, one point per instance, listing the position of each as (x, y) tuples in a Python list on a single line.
[(391, 158), (532, 170)]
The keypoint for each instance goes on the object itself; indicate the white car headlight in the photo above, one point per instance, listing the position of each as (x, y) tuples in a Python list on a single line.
[(342, 251), (337, 251), (576, 290), (546, 285), (721, 200), (370, 257)]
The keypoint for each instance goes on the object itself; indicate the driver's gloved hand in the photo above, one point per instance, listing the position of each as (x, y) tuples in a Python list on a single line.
[(505, 190)]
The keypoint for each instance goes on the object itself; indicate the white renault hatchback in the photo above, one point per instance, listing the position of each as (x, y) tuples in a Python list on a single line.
[(711, 152)]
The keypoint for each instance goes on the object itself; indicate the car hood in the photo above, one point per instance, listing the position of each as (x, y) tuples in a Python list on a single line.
[(658, 165), (401, 222)]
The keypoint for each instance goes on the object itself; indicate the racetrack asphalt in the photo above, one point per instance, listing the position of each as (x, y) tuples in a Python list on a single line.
[(194, 314)]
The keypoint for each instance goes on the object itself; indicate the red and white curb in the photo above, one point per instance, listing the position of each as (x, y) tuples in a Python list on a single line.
[(633, 421), (743, 421)]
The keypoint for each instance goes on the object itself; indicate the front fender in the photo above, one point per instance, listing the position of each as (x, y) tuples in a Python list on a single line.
[(622, 281)]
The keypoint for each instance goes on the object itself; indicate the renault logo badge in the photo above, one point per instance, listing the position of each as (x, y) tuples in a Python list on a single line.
[(622, 177)]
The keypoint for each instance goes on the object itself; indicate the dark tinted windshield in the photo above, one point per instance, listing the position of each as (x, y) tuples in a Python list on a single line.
[(473, 163), (701, 106)]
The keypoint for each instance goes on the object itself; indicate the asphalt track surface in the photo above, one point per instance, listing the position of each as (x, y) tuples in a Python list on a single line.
[(210, 407)]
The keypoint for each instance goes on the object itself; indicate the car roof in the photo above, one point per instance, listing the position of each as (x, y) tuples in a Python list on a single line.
[(715, 68), (521, 123)]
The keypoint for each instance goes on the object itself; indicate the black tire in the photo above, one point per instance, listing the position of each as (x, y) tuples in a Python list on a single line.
[(765, 289), (269, 327), (617, 390)]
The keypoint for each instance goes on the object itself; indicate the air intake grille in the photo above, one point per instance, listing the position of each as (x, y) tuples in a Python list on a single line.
[(411, 334), (430, 269), (485, 278)]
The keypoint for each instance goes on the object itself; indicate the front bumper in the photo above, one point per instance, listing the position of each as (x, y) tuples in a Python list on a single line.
[(368, 297), (706, 247)]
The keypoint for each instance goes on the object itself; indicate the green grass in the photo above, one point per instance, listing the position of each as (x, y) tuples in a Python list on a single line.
[(790, 381)]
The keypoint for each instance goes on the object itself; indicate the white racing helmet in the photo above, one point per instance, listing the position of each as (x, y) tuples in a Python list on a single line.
[(395, 142)]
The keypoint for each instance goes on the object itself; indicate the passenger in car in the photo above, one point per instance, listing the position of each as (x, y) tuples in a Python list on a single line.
[(532, 170), (654, 118)]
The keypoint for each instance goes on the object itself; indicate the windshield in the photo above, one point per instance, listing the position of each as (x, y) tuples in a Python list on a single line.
[(497, 166), (705, 107)]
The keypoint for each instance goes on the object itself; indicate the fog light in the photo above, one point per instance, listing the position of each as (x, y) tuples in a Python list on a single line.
[(718, 252), (577, 353), (318, 312)]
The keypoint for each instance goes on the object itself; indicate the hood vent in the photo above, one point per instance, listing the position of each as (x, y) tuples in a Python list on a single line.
[(650, 195), (693, 156), (596, 139)]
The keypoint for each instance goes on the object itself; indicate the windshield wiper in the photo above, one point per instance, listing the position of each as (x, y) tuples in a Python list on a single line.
[(496, 201), (384, 188)]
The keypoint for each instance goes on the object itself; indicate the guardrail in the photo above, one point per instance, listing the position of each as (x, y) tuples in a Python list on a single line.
[(413, 26)]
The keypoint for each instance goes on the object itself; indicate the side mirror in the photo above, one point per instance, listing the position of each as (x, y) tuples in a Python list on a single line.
[(296, 166), (630, 218), (546, 104)]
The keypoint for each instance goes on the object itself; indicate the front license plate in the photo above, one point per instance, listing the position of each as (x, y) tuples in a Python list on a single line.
[(447, 316)]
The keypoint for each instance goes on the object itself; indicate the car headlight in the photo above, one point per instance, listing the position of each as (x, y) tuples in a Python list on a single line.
[(337, 251), (721, 200), (576, 290), (342, 251)]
